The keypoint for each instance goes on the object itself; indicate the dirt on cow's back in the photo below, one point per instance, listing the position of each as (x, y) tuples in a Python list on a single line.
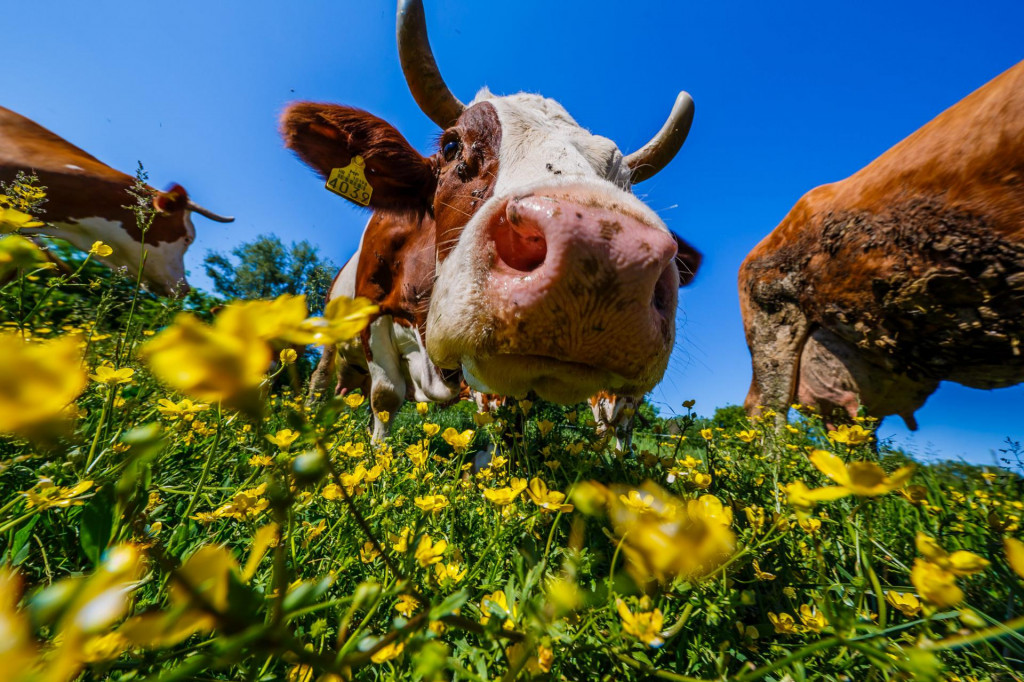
[(921, 287)]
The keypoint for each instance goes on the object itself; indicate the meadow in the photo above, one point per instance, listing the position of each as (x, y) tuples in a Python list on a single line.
[(172, 508)]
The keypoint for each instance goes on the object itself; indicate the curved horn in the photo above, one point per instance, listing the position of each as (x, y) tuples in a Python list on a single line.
[(656, 154), (420, 69), (206, 213)]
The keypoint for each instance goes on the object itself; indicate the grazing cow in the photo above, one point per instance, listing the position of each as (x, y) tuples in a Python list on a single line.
[(616, 413), (909, 272), (86, 202), (515, 255)]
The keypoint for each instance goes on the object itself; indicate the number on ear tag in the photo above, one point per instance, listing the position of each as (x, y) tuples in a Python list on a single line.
[(350, 182)]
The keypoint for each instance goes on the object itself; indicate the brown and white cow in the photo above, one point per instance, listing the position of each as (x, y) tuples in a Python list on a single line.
[(910, 272), (515, 255), (615, 413), (86, 202)]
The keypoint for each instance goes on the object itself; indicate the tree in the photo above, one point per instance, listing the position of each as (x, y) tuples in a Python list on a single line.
[(265, 268)]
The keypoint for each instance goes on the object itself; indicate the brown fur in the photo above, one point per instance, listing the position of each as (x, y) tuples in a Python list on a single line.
[(914, 266)]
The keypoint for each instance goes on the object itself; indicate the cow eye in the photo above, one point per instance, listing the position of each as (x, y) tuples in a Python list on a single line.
[(451, 149)]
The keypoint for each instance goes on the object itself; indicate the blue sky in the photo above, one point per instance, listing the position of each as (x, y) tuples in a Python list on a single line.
[(788, 96)]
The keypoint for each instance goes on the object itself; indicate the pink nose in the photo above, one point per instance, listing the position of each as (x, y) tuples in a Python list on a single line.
[(597, 270)]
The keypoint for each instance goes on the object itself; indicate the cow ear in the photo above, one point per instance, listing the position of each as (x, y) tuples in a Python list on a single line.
[(327, 136), (688, 260), (175, 198)]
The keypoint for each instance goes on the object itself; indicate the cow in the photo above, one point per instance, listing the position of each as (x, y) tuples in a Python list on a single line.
[(615, 414), (910, 272), (87, 199), (514, 256)]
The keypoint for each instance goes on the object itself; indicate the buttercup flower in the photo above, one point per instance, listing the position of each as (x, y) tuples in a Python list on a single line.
[(904, 602), (644, 625), (100, 249), (548, 500), (429, 552), (851, 435), (283, 438), (37, 381), (106, 374), (865, 479), (458, 441), (501, 497)]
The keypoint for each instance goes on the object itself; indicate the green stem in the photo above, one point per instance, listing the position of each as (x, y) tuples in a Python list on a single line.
[(206, 468)]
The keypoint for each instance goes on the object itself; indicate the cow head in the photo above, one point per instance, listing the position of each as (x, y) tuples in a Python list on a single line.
[(547, 273)]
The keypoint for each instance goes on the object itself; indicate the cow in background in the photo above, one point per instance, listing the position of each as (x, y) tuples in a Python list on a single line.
[(910, 272), (86, 202), (615, 413), (515, 255)]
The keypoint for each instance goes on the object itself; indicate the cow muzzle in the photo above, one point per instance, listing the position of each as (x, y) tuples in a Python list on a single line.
[(579, 295)]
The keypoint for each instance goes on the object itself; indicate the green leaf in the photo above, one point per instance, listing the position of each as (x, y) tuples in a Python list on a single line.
[(20, 546), (96, 526), (451, 603)]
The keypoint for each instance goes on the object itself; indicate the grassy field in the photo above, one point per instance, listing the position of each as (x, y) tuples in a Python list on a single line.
[(170, 509)]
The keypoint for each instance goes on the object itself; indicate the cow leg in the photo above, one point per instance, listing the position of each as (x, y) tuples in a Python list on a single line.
[(324, 376), (387, 381), (776, 339)]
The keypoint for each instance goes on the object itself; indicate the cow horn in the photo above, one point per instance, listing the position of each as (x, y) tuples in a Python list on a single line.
[(656, 154), (420, 69), (206, 213)]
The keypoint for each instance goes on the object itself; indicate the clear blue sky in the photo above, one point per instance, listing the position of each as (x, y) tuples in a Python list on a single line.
[(789, 95)]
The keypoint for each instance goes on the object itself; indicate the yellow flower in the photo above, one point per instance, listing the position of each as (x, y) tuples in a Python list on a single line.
[(37, 381), (261, 461), (636, 502), (665, 537), (784, 624), (501, 497), (865, 479), (1014, 554), (762, 575), (343, 319), (368, 553), (935, 584), (245, 505), (431, 503), (45, 495), (810, 525), (283, 438), (499, 600), (331, 492), (747, 436), (449, 574), (354, 400), (311, 532), (701, 480), (904, 602), (421, 409), (288, 356), (300, 672), (706, 434), (100, 249), (428, 552), (482, 418), (17, 252), (430, 429), (851, 435), (406, 605), (400, 542), (11, 219), (224, 362), (644, 625), (958, 563), (545, 657), (545, 426), (384, 416), (548, 500), (458, 441), (812, 618), (388, 652), (417, 453)]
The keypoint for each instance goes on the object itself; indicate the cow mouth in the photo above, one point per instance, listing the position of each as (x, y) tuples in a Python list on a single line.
[(560, 381)]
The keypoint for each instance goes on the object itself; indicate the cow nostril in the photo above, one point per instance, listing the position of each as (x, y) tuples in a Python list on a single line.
[(662, 299), (520, 244)]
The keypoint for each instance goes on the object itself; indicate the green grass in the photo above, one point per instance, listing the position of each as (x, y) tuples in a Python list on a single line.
[(322, 600)]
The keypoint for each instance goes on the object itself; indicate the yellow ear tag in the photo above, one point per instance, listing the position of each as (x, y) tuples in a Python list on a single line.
[(350, 182)]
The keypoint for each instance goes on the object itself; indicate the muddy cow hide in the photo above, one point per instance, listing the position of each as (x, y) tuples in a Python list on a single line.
[(910, 272)]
